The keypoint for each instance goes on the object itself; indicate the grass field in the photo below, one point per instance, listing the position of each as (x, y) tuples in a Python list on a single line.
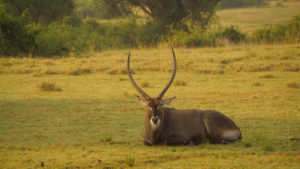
[(83, 112), (251, 19)]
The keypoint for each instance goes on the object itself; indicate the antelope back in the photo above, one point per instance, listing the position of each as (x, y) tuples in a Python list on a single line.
[(220, 128)]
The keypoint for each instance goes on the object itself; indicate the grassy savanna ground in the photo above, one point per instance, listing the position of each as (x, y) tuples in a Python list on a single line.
[(95, 120), (251, 19)]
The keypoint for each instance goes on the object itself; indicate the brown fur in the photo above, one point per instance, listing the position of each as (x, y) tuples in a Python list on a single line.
[(190, 126)]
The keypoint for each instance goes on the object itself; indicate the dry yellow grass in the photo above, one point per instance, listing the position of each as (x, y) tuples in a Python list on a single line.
[(250, 19)]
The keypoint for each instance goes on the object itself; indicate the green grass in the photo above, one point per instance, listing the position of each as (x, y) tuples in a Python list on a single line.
[(97, 122), (251, 19)]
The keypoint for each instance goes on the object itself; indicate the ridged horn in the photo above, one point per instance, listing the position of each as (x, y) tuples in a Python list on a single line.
[(172, 78), (144, 94)]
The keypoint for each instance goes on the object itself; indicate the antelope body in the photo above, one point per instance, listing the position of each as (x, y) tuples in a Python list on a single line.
[(179, 127)]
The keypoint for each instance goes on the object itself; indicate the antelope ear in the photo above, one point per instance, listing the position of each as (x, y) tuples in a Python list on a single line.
[(142, 101), (167, 101)]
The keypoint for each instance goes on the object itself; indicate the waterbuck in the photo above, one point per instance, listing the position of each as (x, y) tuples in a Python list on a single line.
[(180, 127)]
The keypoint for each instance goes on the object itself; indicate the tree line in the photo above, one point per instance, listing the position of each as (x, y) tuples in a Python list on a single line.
[(48, 28)]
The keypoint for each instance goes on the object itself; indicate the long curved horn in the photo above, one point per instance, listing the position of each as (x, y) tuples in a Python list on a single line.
[(133, 82), (172, 78)]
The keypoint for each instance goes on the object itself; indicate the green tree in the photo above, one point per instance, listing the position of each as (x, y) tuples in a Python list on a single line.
[(174, 13), (15, 38), (44, 11), (112, 8)]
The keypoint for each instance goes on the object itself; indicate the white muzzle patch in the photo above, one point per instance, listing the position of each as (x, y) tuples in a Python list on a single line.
[(154, 126), (231, 135)]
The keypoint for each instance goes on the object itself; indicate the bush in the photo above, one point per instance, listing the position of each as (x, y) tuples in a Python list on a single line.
[(293, 29), (149, 35), (52, 40), (15, 38), (49, 87), (204, 38), (40, 11), (70, 35), (233, 34), (289, 32), (197, 38)]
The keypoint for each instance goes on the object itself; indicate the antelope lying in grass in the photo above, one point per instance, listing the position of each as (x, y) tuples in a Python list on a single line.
[(179, 127)]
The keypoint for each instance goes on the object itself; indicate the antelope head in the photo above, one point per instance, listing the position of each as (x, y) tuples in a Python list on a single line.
[(154, 105)]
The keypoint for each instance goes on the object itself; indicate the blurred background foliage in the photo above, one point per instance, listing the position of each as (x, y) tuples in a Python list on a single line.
[(54, 28)]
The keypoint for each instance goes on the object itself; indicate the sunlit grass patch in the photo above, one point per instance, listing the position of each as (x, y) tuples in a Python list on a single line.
[(249, 19)]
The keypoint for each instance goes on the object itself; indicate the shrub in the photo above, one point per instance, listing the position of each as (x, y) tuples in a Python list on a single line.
[(59, 39), (293, 29), (149, 35), (15, 38), (49, 87), (191, 39), (233, 34), (44, 11), (289, 32), (199, 37)]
